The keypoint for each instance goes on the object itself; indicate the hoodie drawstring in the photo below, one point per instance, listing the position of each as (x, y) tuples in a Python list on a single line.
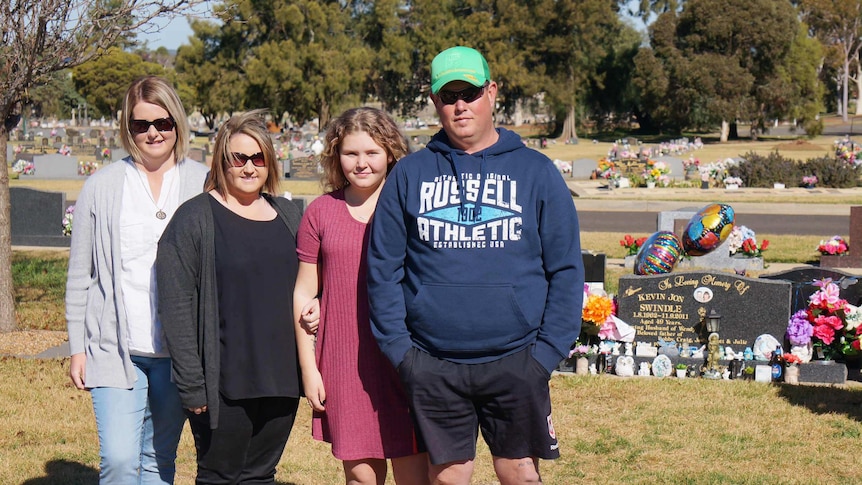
[(464, 211)]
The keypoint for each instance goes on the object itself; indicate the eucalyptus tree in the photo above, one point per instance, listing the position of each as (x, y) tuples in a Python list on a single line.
[(716, 61), (39, 39), (210, 71), (838, 23), (103, 81)]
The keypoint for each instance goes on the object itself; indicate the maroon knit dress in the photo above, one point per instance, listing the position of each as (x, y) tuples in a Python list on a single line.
[(366, 415)]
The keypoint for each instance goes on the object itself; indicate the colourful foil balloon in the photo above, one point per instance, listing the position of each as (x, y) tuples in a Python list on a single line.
[(707, 229), (658, 254)]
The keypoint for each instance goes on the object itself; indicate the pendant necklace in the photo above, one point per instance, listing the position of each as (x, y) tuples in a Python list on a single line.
[(160, 214)]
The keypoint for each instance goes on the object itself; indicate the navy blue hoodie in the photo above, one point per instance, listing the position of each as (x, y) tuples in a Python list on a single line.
[(476, 256)]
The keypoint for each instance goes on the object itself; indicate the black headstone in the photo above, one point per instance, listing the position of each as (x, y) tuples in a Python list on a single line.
[(594, 267), (37, 217), (802, 281), (673, 307)]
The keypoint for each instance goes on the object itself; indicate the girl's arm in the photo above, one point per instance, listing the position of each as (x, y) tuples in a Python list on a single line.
[(305, 291)]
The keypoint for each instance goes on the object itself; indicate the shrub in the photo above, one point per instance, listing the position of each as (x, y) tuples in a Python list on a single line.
[(763, 171), (831, 172)]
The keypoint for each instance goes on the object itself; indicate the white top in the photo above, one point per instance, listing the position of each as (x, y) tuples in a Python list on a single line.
[(140, 231)]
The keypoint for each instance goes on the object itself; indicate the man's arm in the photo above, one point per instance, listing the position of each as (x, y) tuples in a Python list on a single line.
[(561, 248), (387, 250)]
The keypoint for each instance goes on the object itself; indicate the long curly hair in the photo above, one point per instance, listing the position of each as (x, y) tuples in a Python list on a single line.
[(379, 126)]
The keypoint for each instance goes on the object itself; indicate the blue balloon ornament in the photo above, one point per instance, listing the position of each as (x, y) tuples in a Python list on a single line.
[(707, 229), (658, 254)]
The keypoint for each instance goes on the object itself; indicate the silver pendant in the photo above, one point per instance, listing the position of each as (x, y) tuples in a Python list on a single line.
[(160, 215)]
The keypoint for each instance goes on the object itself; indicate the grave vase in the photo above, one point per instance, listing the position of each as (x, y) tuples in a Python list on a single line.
[(650, 185), (791, 375), (582, 366)]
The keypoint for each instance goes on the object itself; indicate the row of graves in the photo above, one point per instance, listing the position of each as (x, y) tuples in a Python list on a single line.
[(689, 309)]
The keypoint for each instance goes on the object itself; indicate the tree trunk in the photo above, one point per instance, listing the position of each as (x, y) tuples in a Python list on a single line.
[(845, 87), (323, 116), (569, 134), (733, 134), (725, 130), (858, 80), (7, 301)]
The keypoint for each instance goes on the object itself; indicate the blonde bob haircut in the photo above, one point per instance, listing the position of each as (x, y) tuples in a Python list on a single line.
[(158, 91), (250, 123), (379, 126)]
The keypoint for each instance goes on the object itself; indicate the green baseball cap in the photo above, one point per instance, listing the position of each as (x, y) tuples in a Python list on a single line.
[(459, 64)]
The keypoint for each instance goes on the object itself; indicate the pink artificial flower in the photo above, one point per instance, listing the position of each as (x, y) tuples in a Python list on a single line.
[(824, 333), (828, 296), (831, 321), (608, 330)]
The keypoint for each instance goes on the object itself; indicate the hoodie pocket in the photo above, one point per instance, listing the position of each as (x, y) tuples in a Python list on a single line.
[(467, 319)]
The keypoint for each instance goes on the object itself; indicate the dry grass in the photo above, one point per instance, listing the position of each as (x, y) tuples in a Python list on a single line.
[(611, 429)]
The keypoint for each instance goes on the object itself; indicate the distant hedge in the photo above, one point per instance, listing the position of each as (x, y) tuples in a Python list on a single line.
[(765, 170)]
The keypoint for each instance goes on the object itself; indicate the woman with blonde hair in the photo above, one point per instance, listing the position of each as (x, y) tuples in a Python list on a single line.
[(226, 270), (117, 345)]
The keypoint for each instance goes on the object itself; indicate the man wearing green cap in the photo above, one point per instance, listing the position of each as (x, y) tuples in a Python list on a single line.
[(475, 281)]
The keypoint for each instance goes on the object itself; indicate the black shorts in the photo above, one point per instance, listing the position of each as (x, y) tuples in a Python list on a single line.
[(507, 399)]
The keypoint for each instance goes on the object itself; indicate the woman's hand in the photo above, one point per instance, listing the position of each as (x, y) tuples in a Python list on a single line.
[(199, 410), (78, 370), (309, 317)]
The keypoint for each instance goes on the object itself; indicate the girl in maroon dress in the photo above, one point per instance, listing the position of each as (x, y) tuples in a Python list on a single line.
[(355, 393)]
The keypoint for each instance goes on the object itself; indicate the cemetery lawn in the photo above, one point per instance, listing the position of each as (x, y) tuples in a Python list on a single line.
[(610, 429)]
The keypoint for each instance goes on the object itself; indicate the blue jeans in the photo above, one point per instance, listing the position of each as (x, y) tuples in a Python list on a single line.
[(139, 428)]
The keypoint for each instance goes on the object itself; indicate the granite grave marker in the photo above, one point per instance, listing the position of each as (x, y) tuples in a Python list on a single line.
[(674, 306), (56, 166), (802, 282), (36, 217)]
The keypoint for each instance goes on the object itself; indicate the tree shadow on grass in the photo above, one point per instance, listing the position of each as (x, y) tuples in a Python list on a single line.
[(65, 472)]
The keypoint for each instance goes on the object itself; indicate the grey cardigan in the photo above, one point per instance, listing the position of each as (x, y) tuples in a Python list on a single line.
[(188, 298), (95, 316)]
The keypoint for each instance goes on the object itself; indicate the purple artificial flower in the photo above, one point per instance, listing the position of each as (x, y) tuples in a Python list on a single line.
[(799, 329)]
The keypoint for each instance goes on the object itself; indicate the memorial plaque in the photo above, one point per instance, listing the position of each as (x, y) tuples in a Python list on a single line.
[(304, 168), (802, 285), (674, 306)]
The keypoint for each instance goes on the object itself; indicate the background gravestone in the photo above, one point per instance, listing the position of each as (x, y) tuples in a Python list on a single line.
[(673, 307), (583, 168), (594, 268), (674, 164), (37, 217), (55, 166), (802, 279)]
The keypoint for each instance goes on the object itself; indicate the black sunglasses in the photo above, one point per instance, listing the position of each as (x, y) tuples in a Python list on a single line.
[(240, 159), (468, 95), (142, 126)]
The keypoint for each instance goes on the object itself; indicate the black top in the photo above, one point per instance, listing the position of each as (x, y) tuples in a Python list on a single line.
[(256, 268)]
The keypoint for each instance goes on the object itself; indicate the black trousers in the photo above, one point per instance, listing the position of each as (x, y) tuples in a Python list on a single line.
[(248, 442)]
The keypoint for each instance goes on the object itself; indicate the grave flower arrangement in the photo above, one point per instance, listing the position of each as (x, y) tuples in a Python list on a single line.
[(24, 167), (598, 308), (581, 350), (68, 216), (106, 155), (836, 245), (631, 244), (809, 180), (607, 170), (743, 241), (563, 166), (87, 168), (829, 325), (657, 172), (847, 151), (728, 181)]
